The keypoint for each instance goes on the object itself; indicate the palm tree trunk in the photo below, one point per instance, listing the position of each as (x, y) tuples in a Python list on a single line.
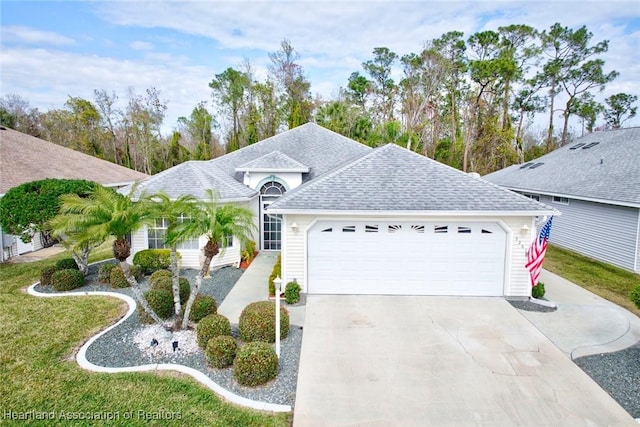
[(135, 286), (176, 288), (194, 290), (82, 259)]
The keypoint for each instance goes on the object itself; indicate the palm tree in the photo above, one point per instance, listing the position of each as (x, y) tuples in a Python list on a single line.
[(219, 223), (107, 213), (72, 239), (175, 212)]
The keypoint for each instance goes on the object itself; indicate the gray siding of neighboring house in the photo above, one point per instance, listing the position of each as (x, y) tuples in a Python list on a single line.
[(605, 232)]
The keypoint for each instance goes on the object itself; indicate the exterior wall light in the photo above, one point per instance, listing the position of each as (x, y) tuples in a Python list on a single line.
[(524, 230), (294, 227)]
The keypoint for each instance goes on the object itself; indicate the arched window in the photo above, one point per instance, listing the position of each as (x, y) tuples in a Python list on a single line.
[(271, 225)]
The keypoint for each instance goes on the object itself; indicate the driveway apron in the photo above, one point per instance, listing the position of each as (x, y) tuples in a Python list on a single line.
[(441, 361)]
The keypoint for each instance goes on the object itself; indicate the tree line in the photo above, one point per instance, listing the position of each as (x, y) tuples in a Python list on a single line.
[(465, 101)]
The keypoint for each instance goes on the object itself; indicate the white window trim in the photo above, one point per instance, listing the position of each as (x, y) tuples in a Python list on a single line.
[(558, 200)]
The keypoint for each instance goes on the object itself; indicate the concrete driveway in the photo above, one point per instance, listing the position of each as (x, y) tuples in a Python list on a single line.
[(441, 361)]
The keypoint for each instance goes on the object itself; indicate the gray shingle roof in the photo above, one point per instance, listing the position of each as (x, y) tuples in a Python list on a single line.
[(273, 162), (608, 171), (391, 178), (194, 177), (25, 158), (314, 146)]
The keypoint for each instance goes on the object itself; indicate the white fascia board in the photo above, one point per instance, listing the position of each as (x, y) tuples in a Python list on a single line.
[(573, 196), (119, 184), (272, 170), (414, 213)]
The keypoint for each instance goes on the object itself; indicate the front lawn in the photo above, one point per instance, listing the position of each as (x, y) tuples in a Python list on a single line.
[(606, 280), (40, 377)]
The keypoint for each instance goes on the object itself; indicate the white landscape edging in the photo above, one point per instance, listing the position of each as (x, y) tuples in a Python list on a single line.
[(196, 374), (543, 302)]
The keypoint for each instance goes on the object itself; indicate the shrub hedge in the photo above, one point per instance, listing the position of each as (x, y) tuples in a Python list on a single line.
[(635, 295), (221, 351), (256, 363), (158, 274), (104, 272), (117, 279), (150, 260), (167, 283), (257, 322), (67, 264), (203, 306), (46, 274), (67, 279), (276, 272), (538, 290), (212, 326), (292, 293), (160, 301)]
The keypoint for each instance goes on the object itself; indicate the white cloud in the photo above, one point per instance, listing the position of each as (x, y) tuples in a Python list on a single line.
[(140, 45), (25, 35)]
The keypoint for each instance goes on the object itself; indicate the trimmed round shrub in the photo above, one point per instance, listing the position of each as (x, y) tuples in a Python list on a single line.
[(161, 302), (538, 290), (150, 260), (67, 279), (143, 317), (104, 272), (292, 293), (256, 363), (203, 306), (157, 275), (167, 283), (635, 295), (257, 322), (46, 274), (212, 326), (67, 264), (221, 351), (117, 279)]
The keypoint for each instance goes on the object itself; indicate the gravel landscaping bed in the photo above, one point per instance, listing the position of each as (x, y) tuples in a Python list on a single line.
[(531, 306), (130, 344), (618, 374)]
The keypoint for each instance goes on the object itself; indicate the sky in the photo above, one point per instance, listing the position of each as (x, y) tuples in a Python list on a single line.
[(50, 50)]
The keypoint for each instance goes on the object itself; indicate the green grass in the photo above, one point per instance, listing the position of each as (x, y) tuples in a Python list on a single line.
[(38, 372), (606, 280)]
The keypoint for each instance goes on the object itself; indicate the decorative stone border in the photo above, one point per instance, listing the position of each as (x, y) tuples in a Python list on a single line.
[(196, 374)]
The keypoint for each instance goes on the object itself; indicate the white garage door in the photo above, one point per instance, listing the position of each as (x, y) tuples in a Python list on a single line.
[(402, 258)]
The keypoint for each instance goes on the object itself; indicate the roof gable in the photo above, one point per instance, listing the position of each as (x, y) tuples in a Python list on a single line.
[(273, 162), (391, 178), (607, 171), (25, 158)]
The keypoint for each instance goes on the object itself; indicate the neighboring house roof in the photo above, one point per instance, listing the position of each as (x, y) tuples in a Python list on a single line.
[(25, 158), (391, 178), (310, 144), (608, 171), (273, 162), (193, 177)]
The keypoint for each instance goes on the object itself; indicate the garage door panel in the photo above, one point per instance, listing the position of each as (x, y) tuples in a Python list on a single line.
[(421, 258)]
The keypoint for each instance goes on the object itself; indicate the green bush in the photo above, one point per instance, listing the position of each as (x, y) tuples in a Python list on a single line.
[(203, 306), (161, 302), (67, 279), (143, 317), (157, 275), (276, 272), (117, 279), (67, 264), (538, 290), (46, 274), (249, 251), (212, 326), (104, 272), (635, 295), (150, 260), (255, 364), (221, 351), (292, 293), (167, 283), (257, 322)]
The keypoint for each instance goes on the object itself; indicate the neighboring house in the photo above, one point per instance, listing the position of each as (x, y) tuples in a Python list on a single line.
[(25, 158), (349, 219), (595, 183)]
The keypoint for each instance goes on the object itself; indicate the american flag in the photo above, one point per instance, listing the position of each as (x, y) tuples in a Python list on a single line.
[(535, 256)]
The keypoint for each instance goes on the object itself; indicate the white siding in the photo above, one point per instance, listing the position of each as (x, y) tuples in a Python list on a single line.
[(605, 232), (294, 262)]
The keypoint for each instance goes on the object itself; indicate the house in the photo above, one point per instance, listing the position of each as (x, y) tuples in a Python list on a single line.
[(595, 183), (349, 219), (25, 158)]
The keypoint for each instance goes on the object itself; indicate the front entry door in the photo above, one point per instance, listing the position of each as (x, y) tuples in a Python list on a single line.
[(271, 225)]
